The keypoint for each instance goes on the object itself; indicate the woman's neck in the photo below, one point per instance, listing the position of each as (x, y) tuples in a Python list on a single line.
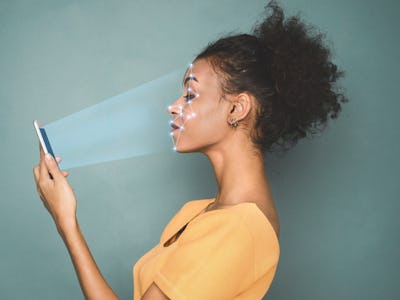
[(240, 174)]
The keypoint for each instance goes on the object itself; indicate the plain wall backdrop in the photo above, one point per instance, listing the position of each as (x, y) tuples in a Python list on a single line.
[(337, 194)]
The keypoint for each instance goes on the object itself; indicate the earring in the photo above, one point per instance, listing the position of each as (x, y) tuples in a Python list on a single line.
[(233, 123)]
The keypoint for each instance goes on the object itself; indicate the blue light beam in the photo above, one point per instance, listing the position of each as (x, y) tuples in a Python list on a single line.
[(133, 123)]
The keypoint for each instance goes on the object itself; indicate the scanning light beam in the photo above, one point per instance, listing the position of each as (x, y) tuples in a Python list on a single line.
[(130, 124)]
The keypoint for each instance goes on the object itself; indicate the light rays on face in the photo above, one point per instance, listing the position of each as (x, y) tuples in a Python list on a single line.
[(183, 112)]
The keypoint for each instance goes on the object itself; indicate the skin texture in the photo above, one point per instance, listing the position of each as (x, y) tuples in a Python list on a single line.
[(238, 167)]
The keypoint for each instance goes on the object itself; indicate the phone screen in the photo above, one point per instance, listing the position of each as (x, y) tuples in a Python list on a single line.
[(46, 141), (43, 139)]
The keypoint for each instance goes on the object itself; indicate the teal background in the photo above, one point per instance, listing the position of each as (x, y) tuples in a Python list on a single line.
[(337, 194)]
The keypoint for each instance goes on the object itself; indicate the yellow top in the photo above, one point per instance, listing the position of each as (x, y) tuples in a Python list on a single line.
[(229, 253)]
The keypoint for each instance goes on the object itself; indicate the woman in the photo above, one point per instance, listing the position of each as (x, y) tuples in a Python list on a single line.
[(244, 95)]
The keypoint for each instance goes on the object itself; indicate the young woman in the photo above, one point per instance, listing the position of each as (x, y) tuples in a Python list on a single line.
[(244, 95)]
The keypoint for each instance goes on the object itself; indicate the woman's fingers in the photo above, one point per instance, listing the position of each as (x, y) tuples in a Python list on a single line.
[(64, 173), (36, 174), (41, 152), (47, 169), (52, 167), (43, 172)]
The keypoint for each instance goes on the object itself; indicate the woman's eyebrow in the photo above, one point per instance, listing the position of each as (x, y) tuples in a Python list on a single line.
[(191, 77)]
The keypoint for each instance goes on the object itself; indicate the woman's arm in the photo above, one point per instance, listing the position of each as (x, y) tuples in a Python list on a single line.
[(90, 278), (59, 199)]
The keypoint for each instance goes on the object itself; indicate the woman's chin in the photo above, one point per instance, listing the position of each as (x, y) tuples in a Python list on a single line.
[(183, 149)]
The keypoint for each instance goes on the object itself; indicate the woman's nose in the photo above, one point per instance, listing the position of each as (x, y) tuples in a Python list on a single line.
[(175, 108)]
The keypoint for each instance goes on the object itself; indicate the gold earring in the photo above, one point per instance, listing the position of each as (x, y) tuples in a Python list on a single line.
[(233, 123)]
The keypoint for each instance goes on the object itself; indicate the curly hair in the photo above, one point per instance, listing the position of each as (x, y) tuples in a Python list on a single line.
[(287, 67)]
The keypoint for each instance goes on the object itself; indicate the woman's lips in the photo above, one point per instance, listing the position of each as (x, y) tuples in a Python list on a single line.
[(174, 126)]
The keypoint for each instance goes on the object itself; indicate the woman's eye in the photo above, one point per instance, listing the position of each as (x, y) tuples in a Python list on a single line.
[(189, 96)]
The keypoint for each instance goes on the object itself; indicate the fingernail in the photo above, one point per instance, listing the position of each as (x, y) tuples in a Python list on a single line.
[(48, 156)]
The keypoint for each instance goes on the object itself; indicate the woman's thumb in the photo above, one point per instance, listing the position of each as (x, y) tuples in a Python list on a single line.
[(52, 166)]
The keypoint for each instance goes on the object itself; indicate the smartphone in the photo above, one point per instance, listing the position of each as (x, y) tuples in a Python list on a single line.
[(43, 139)]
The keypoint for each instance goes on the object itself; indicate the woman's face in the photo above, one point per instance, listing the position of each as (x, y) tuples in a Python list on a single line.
[(199, 116)]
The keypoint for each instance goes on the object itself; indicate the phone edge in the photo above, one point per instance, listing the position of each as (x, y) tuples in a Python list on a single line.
[(39, 135)]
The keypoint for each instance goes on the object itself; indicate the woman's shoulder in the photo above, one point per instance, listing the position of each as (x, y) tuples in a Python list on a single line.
[(258, 222), (246, 215), (254, 225)]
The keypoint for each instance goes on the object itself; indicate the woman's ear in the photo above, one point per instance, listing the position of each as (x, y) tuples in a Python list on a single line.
[(241, 105)]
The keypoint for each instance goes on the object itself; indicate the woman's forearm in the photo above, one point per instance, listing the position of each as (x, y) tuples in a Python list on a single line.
[(90, 278), (59, 199)]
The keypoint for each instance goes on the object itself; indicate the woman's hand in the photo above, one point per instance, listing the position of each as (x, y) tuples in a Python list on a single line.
[(59, 199), (54, 190)]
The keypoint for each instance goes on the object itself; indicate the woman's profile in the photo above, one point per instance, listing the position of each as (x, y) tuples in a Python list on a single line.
[(244, 95)]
